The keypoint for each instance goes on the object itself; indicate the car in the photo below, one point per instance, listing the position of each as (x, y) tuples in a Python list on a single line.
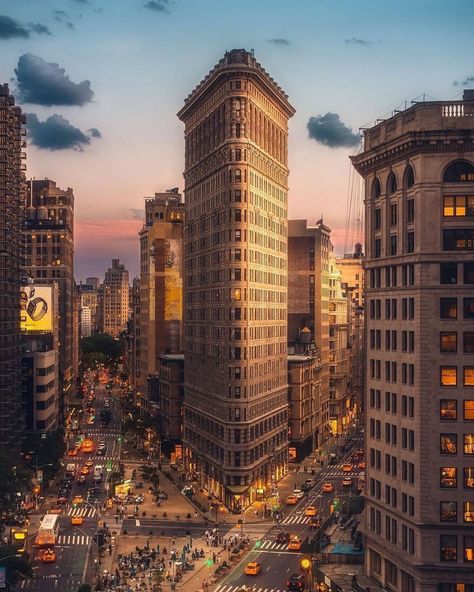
[(253, 568), (295, 544), (298, 493), (306, 487), (95, 490), (85, 471), (77, 500), (333, 460), (106, 404), (81, 480), (328, 487), (291, 500), (62, 500), (296, 583), (89, 463), (347, 468), (77, 520), (283, 538), (55, 511), (311, 511), (101, 451), (47, 555), (347, 482), (72, 452)]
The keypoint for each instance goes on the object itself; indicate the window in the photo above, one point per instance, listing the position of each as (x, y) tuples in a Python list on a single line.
[(448, 409), (458, 205), (468, 405), (393, 214), (468, 272), (469, 308), (448, 512), (410, 242), (459, 239), (469, 477), (238, 174), (376, 189), (448, 376), (448, 308), (448, 548), (393, 244), (468, 511), (449, 477), (410, 210), (468, 339), (448, 443), (460, 171), (408, 177), (377, 248), (468, 376), (237, 134), (448, 273), (448, 342), (468, 444), (469, 548), (377, 219)]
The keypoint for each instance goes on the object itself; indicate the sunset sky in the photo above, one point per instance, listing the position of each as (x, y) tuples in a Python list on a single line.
[(104, 119)]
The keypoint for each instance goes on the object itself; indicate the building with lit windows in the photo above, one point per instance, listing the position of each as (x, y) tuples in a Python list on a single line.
[(114, 301), (418, 168), (236, 184)]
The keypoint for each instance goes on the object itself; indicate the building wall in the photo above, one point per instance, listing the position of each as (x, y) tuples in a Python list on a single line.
[(351, 268), (419, 469), (12, 209), (236, 182), (86, 324), (115, 305), (171, 396)]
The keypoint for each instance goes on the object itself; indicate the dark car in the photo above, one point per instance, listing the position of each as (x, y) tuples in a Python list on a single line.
[(283, 537), (296, 583)]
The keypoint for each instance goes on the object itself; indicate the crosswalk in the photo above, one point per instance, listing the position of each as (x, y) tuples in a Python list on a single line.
[(73, 539), (84, 512), (295, 519), (104, 458), (273, 546), (255, 588), (336, 473)]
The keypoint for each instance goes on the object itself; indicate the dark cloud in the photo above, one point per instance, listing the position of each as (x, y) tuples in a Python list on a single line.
[(137, 214), (466, 82), (330, 131), (94, 132), (356, 41), (70, 26), (40, 29), (56, 133), (60, 15), (44, 83), (10, 28), (158, 5), (279, 41)]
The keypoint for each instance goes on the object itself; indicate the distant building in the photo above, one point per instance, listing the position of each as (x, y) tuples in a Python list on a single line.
[(93, 282), (90, 299), (135, 343), (50, 258), (115, 299), (86, 322), (12, 209), (351, 268)]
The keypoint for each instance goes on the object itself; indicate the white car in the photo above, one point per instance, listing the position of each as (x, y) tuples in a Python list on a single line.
[(298, 493)]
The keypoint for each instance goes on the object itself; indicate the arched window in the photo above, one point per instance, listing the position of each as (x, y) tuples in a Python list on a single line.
[(391, 183), (408, 177), (376, 189), (460, 171)]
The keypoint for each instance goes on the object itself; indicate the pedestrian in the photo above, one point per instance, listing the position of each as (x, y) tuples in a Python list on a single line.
[(116, 518), (110, 549)]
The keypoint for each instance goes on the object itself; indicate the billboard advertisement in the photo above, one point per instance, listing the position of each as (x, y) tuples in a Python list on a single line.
[(36, 304)]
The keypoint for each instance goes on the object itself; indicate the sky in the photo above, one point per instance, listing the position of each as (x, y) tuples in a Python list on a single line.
[(103, 80)]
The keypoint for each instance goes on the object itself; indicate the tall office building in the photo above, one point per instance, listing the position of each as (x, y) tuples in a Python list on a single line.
[(161, 288), (12, 210), (114, 301), (90, 300), (236, 184), (418, 168), (50, 258)]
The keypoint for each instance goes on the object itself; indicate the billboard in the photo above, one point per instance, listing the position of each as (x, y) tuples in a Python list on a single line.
[(36, 304)]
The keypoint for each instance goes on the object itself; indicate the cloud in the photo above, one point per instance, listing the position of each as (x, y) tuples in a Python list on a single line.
[(330, 131), (10, 29), (158, 5), (43, 83), (40, 29), (60, 15), (56, 133), (279, 41), (356, 41), (466, 82), (138, 214), (82, 1), (94, 132)]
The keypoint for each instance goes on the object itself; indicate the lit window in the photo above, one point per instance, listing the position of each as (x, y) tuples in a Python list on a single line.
[(448, 547), (448, 477), (448, 308), (469, 548), (448, 342), (448, 409), (469, 376), (448, 376), (468, 443), (448, 512), (469, 478), (469, 410), (460, 171), (448, 443), (468, 511)]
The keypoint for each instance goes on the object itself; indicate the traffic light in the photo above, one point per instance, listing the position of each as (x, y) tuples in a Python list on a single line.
[(258, 544), (209, 562), (305, 563), (336, 504)]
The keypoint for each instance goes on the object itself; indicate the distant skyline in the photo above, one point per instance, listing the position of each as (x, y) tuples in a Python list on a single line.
[(104, 119)]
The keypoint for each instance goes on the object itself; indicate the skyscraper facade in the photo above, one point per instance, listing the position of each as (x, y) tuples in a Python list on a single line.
[(236, 183), (12, 210), (115, 295), (50, 258), (418, 168)]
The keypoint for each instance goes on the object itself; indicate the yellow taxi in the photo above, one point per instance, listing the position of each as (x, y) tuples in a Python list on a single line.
[(72, 452), (328, 488), (311, 511), (47, 555), (77, 520), (295, 544), (291, 500), (347, 482), (253, 568), (89, 463), (85, 471), (347, 468), (77, 500)]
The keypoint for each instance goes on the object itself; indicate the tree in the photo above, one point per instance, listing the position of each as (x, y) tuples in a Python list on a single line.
[(17, 567), (49, 451), (84, 588), (101, 348), (14, 478)]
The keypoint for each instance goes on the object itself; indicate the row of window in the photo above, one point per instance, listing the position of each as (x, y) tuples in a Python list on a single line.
[(391, 532), (408, 340), (448, 342), (448, 444), (449, 477), (448, 308), (391, 404), (393, 249), (391, 372), (448, 376), (393, 214), (458, 206), (449, 548), (391, 276), (448, 409), (448, 273), (448, 511), (391, 463), (392, 184), (408, 309)]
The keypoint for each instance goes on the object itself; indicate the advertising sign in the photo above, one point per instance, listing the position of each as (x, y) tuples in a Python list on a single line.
[(36, 309)]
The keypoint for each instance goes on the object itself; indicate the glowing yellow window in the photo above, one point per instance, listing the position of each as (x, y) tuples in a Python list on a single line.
[(448, 206)]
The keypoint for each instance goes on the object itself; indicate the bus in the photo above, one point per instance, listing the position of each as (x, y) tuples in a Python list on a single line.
[(48, 531), (87, 445)]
